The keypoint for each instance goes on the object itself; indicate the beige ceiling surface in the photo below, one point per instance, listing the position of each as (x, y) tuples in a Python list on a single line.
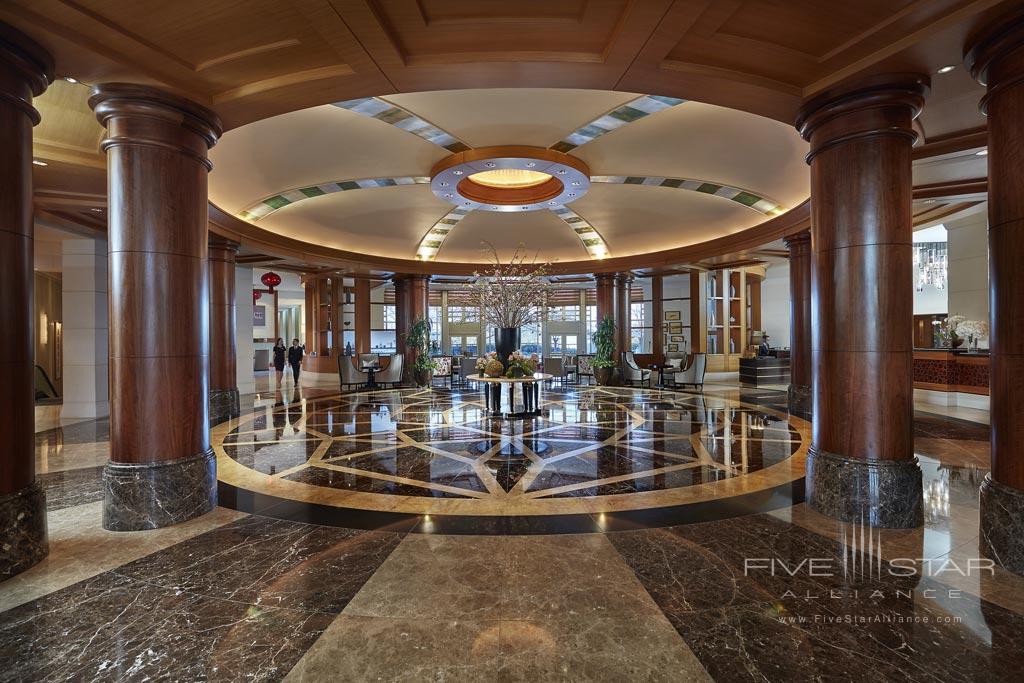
[(692, 141)]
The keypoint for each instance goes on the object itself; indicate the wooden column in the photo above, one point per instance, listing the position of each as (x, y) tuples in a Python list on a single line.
[(861, 466), (337, 293), (411, 294), (799, 245), (25, 72), (657, 333), (698, 313), (362, 315), (161, 470), (996, 59), (223, 363), (623, 281), (605, 295)]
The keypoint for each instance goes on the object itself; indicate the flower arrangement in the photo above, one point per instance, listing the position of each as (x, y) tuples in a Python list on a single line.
[(511, 294), (948, 330), (521, 365), (489, 365), (974, 330)]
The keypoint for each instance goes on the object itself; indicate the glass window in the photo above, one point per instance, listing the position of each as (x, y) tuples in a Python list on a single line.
[(463, 314), (465, 345), (435, 329), (562, 344), (389, 317), (530, 339), (564, 313), (591, 323)]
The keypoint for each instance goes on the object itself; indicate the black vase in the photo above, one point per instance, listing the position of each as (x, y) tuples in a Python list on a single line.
[(506, 340)]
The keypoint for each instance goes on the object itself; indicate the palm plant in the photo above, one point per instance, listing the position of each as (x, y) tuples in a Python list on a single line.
[(604, 342), (418, 338)]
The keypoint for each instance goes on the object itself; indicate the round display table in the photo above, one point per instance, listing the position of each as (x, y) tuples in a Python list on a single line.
[(494, 387)]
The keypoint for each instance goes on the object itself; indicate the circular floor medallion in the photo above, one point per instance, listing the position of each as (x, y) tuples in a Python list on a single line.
[(606, 451)]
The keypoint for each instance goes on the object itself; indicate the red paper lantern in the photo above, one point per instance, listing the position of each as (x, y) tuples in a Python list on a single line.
[(256, 294), (271, 280)]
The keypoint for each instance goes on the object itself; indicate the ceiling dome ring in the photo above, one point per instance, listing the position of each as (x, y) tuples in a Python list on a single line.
[(510, 178)]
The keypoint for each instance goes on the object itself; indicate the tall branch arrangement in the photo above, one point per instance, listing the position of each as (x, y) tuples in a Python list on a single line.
[(511, 294)]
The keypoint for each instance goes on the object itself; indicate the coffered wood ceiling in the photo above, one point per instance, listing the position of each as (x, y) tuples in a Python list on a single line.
[(254, 59)]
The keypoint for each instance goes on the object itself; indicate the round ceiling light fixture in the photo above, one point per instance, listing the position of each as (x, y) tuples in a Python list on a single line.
[(510, 178)]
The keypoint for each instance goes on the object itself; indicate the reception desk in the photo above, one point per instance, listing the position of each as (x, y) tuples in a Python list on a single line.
[(951, 370), (762, 370)]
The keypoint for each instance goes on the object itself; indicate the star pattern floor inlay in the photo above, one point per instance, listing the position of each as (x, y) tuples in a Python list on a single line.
[(592, 450)]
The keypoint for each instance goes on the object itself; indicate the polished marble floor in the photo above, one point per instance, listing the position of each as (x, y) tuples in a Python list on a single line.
[(728, 596)]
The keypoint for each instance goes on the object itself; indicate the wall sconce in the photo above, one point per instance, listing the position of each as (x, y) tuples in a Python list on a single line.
[(44, 329)]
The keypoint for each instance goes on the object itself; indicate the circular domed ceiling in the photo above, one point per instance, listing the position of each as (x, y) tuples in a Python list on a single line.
[(575, 174)]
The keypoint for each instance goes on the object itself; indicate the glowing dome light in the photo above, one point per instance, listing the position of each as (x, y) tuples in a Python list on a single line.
[(510, 178)]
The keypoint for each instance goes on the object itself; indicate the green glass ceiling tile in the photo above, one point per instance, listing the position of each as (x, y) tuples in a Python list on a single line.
[(709, 188), (277, 201), (349, 185), (746, 198), (312, 191), (628, 114), (634, 180), (671, 182), (393, 115)]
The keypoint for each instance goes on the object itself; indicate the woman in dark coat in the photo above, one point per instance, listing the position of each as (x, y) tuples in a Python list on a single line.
[(280, 352), (295, 353)]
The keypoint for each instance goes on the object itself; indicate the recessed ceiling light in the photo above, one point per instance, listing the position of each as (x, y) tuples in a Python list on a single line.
[(552, 202), (572, 194), (448, 196), (38, 163), (531, 164), (494, 207), (457, 172), (69, 79), (946, 69), (577, 183), (525, 208), (444, 184), (561, 171), (982, 152), (491, 164), (466, 203)]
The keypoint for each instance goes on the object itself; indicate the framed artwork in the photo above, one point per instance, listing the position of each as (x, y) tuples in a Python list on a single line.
[(675, 328), (673, 348), (259, 316), (677, 338), (673, 315)]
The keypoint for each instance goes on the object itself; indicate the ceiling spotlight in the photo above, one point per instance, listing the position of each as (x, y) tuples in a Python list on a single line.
[(572, 194), (444, 184), (552, 202), (448, 196), (531, 164), (457, 172), (465, 203), (69, 79), (576, 183), (524, 208), (561, 171), (38, 163), (946, 69), (980, 152), (491, 164), (495, 208)]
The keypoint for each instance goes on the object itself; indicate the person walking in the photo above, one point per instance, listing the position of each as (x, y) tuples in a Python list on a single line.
[(295, 353), (280, 354)]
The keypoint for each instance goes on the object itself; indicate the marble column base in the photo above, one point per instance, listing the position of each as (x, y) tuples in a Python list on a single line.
[(224, 405), (140, 496), (23, 540), (876, 493), (1002, 524), (800, 403)]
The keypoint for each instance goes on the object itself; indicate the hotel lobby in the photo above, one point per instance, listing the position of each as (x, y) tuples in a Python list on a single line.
[(453, 340)]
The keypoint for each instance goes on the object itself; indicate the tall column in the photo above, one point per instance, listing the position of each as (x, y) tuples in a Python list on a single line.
[(800, 324), (25, 72), (223, 363), (605, 295), (245, 353), (85, 328), (861, 465), (996, 59), (411, 295), (362, 315), (161, 470), (622, 317), (657, 331)]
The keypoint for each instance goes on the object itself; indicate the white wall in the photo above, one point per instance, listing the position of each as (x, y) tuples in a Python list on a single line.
[(775, 309), (85, 328), (968, 268)]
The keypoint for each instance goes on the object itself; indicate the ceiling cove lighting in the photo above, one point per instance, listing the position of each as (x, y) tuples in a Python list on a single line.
[(37, 162), (945, 69), (509, 178)]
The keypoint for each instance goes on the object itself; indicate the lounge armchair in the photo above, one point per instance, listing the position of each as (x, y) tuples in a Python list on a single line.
[(392, 374), (348, 374), (694, 374), (631, 372)]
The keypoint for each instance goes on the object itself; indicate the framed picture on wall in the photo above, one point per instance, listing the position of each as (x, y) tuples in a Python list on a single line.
[(677, 338), (259, 316), (673, 315), (675, 328), (673, 348)]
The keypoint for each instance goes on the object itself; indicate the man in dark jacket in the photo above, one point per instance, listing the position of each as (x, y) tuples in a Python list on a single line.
[(295, 353)]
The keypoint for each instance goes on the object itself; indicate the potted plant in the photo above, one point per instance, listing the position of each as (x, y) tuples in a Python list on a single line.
[(604, 342), (423, 366), (521, 365)]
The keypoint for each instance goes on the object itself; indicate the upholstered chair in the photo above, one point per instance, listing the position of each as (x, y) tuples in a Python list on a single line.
[(631, 372), (392, 374), (443, 369), (694, 374), (467, 367), (553, 366), (348, 373), (368, 359), (584, 367)]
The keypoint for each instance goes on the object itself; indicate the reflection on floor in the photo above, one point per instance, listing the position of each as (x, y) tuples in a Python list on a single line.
[(236, 596)]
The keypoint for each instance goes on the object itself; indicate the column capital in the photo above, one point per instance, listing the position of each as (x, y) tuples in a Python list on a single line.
[(221, 248), (141, 115), (881, 105), (26, 70), (604, 277), (995, 57), (400, 277), (799, 240), (624, 278)]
